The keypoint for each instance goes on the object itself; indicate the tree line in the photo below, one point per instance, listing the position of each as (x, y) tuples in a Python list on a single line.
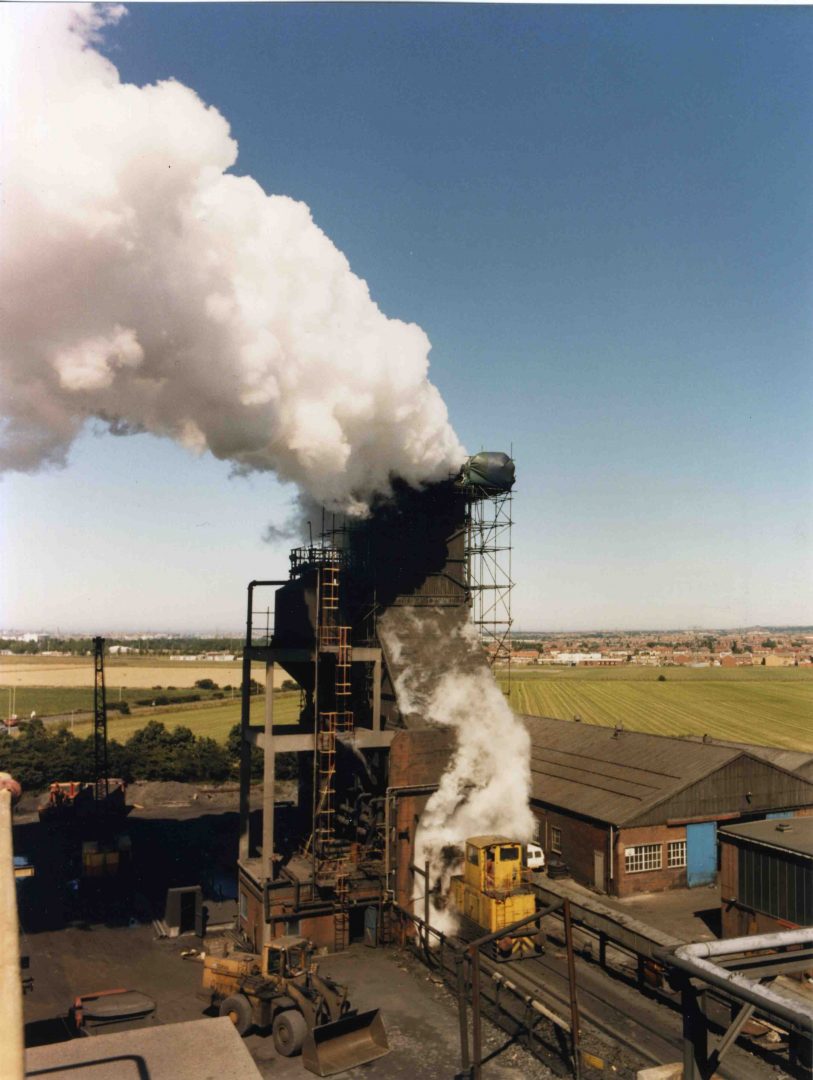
[(83, 646), (41, 755)]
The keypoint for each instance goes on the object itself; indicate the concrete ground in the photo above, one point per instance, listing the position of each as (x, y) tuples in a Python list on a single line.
[(688, 914), (181, 835), (419, 1015)]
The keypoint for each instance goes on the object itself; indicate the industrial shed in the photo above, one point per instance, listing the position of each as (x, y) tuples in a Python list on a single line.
[(766, 876), (630, 813)]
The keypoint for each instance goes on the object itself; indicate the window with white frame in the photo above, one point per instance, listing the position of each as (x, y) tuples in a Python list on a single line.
[(642, 857), (676, 853), (556, 839)]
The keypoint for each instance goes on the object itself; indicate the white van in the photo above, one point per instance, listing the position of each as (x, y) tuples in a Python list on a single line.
[(534, 857)]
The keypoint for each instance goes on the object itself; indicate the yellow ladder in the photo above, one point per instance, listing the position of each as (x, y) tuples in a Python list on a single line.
[(341, 917)]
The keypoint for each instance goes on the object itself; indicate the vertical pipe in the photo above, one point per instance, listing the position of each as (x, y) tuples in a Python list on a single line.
[(426, 909), (314, 756), (387, 889), (245, 745), (377, 693), (476, 1030), (11, 992), (100, 767), (269, 770), (689, 1008), (571, 985), (461, 1012)]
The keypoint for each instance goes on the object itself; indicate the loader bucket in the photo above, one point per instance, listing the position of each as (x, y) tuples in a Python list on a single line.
[(345, 1043)]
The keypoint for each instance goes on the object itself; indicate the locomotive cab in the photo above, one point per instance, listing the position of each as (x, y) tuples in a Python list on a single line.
[(493, 864)]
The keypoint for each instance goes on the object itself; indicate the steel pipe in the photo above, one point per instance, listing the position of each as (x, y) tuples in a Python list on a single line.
[(748, 943), (693, 959)]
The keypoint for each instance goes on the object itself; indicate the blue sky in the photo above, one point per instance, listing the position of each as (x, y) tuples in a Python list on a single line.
[(600, 216)]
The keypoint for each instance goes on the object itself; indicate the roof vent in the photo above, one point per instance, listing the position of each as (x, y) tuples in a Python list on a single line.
[(784, 826)]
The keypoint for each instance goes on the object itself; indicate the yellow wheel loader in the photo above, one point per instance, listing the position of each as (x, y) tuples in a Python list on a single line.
[(281, 988)]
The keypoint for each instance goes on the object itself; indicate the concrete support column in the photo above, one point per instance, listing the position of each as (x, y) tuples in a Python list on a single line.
[(11, 991), (377, 693), (245, 756), (269, 771)]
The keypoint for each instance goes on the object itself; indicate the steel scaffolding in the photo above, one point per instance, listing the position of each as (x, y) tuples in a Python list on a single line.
[(488, 568)]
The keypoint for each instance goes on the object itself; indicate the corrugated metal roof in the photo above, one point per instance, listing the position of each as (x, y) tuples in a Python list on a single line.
[(800, 761), (612, 775), (798, 838)]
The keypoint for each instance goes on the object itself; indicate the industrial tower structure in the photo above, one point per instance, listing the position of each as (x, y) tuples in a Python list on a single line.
[(317, 865)]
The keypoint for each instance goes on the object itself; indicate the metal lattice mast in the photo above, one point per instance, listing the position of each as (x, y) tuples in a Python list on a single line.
[(488, 560), (487, 480), (100, 769)]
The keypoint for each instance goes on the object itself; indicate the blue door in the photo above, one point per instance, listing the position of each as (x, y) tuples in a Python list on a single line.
[(701, 853)]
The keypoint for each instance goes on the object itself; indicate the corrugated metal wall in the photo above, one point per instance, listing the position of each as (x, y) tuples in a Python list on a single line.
[(743, 786)]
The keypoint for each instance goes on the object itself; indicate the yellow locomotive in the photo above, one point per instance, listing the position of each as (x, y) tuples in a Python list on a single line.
[(493, 892)]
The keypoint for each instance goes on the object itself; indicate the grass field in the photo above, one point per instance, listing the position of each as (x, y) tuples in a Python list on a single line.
[(772, 706), (213, 720), (51, 700), (61, 684), (143, 672)]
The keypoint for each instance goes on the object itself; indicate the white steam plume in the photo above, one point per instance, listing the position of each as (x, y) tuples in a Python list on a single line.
[(486, 787), (143, 284)]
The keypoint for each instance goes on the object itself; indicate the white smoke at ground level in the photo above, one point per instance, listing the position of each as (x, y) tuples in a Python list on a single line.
[(485, 790), (486, 787), (144, 284)]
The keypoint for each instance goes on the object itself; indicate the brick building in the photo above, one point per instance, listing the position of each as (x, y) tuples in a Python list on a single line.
[(630, 813)]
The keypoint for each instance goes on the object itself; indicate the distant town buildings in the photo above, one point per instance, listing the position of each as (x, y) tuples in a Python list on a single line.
[(209, 657), (745, 648)]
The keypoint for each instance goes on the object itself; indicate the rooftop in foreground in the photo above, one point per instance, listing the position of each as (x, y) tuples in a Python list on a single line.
[(194, 1050)]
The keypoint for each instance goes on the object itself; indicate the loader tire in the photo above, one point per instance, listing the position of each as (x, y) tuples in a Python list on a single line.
[(289, 1031), (238, 1009)]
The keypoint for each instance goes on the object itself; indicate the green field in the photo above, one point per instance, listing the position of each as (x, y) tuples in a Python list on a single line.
[(56, 700), (211, 720), (771, 706)]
